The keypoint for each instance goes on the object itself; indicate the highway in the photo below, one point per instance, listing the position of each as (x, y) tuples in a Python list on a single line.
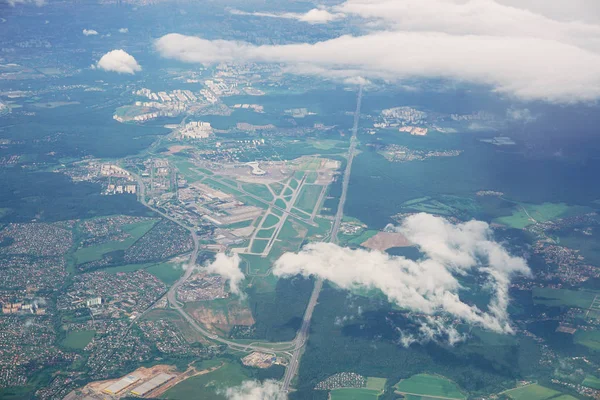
[(302, 335)]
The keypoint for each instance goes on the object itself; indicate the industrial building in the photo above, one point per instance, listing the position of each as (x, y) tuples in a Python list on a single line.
[(152, 384), (121, 384)]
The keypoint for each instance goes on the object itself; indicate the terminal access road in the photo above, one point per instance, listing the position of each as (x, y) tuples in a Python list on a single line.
[(302, 335)]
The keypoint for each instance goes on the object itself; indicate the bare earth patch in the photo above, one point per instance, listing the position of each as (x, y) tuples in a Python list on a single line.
[(177, 148), (386, 240)]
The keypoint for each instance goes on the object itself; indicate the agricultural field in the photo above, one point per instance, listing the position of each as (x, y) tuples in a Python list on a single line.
[(532, 392), (430, 385), (78, 339), (308, 198), (589, 339), (591, 382), (376, 383), (354, 394), (563, 297)]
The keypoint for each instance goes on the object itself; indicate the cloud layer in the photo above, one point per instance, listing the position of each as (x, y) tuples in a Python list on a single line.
[(429, 286), (254, 390), (229, 268), (119, 61), (90, 32), (314, 16), (529, 53), (38, 3)]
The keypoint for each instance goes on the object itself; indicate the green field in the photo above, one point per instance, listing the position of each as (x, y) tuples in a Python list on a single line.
[(308, 198), (293, 183), (430, 385), (258, 190), (95, 252), (354, 394), (208, 386), (78, 339), (589, 339), (270, 221), (258, 246), (531, 392), (591, 382), (280, 203), (288, 192), (311, 177), (222, 187), (188, 169), (277, 187), (376, 383), (265, 233), (526, 214), (563, 297), (169, 273)]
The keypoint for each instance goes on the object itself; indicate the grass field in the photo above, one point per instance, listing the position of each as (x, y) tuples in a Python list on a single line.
[(280, 203), (208, 386), (169, 273), (135, 231), (354, 394), (527, 214), (258, 246), (311, 177), (277, 187), (293, 183), (270, 221), (308, 198), (78, 339), (258, 190), (531, 392), (188, 169), (288, 192), (265, 233), (222, 187), (563, 297), (376, 383), (430, 385), (591, 382), (589, 339)]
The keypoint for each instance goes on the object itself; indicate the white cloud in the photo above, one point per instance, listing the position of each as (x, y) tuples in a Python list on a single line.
[(520, 115), (516, 66), (254, 390), (90, 32), (229, 268), (530, 49), (314, 16), (429, 286), (124, 30), (38, 3), (119, 61)]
